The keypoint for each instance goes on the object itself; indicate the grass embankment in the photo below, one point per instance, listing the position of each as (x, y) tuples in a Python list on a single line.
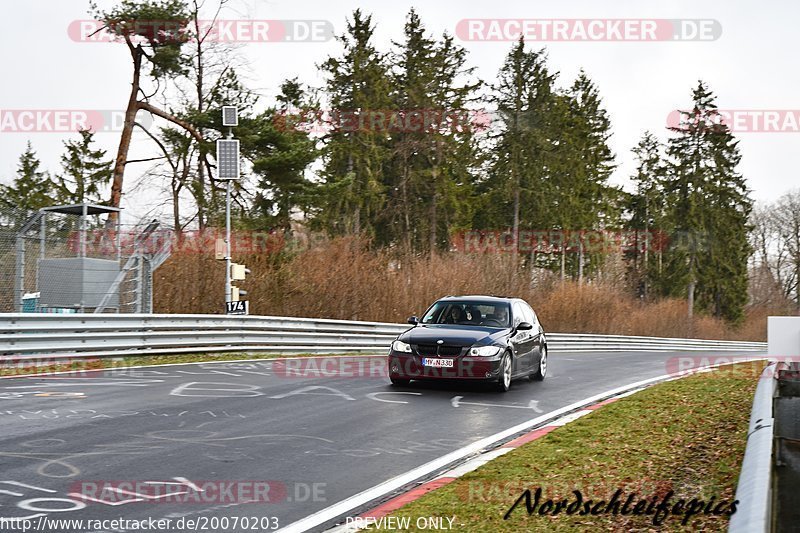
[(42, 366), (686, 436)]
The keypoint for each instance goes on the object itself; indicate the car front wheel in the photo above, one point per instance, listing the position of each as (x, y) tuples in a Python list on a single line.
[(504, 380), (540, 372)]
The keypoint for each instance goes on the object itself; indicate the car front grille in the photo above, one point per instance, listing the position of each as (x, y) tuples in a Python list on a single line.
[(445, 351)]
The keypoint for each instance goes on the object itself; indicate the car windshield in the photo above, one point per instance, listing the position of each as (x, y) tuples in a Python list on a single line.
[(490, 314)]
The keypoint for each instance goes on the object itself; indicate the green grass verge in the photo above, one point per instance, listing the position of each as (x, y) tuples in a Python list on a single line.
[(686, 436), (38, 367)]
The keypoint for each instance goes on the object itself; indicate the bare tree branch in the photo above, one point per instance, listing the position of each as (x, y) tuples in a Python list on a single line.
[(129, 161)]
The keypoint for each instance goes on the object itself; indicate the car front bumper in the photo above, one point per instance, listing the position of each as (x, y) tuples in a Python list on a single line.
[(404, 365)]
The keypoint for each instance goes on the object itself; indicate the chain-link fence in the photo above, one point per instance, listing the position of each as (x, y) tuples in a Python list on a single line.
[(72, 259)]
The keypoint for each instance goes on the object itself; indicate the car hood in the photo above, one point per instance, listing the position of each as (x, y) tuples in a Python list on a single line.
[(452, 335)]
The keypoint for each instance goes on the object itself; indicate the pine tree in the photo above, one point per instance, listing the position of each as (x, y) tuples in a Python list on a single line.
[(709, 210), (646, 209), (579, 190), (524, 148), (453, 141), (405, 181), (31, 188), (433, 150), (85, 172), (281, 152), (355, 151)]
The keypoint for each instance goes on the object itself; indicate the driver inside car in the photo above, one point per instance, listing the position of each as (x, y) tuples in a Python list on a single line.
[(501, 315)]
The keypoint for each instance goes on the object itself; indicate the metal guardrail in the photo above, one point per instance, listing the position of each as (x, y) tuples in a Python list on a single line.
[(589, 342), (94, 335), (754, 492)]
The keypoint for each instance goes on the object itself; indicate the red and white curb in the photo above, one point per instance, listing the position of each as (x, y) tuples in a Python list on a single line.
[(374, 515)]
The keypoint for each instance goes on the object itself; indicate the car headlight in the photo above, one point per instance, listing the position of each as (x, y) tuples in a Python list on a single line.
[(484, 351), (400, 346)]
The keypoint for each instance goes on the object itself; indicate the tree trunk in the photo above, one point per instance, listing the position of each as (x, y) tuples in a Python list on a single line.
[(127, 131), (434, 223), (690, 296), (406, 217), (176, 211), (646, 261), (201, 171), (515, 223), (433, 214)]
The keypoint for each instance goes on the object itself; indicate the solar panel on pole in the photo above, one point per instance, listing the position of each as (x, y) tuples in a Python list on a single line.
[(228, 159), (230, 116)]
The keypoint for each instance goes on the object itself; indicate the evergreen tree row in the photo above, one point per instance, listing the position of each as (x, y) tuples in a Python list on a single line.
[(408, 147)]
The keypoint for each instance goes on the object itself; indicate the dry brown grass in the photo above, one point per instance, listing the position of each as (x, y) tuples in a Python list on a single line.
[(344, 279)]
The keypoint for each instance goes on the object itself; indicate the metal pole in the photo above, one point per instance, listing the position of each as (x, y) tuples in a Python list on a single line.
[(140, 284), (228, 291), (83, 230), (42, 238), (148, 280), (118, 237), (19, 279), (118, 242)]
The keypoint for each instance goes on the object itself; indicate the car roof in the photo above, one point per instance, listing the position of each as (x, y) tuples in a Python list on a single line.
[(472, 298)]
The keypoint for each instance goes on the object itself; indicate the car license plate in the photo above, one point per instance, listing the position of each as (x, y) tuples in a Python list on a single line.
[(446, 363)]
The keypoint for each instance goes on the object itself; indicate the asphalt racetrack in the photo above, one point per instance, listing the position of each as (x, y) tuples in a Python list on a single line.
[(257, 442)]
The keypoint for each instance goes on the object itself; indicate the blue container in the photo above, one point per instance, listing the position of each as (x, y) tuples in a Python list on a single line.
[(30, 302)]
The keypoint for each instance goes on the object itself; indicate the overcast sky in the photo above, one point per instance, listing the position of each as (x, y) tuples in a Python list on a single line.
[(750, 66)]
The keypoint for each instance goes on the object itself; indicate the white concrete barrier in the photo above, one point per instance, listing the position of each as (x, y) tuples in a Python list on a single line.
[(783, 335)]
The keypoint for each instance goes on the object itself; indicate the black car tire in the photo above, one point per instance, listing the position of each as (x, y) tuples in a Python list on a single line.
[(539, 373), (397, 382), (504, 379)]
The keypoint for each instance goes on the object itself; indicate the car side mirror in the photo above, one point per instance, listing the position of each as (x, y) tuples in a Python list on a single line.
[(524, 326), (413, 320)]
